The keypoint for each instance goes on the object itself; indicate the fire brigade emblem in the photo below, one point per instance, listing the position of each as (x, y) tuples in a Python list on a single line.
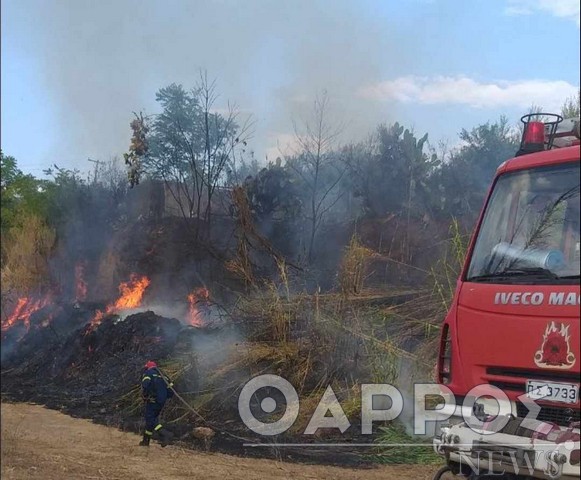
[(556, 351)]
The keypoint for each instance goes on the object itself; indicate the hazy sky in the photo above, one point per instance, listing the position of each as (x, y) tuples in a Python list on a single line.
[(73, 71)]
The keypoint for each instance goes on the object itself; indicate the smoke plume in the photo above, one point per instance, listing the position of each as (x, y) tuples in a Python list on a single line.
[(99, 61)]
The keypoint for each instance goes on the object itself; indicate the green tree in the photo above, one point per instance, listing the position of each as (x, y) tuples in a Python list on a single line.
[(275, 194), (571, 107), (390, 173), (464, 178), (191, 145), (27, 236), (21, 195)]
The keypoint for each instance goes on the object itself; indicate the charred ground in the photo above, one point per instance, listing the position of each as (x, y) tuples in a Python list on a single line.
[(92, 372)]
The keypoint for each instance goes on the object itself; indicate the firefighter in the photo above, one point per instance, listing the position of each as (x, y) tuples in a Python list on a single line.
[(155, 391)]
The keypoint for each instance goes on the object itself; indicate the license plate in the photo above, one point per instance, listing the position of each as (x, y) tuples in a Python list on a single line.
[(554, 392)]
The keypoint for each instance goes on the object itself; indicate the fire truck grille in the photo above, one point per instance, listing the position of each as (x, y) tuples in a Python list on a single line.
[(513, 387), (533, 374), (559, 415)]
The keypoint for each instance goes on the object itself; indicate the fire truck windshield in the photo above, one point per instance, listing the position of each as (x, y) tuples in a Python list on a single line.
[(530, 230)]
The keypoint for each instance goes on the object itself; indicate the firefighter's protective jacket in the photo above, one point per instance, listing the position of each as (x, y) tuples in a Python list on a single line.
[(154, 388)]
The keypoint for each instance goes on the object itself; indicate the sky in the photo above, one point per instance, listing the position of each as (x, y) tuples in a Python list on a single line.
[(74, 71)]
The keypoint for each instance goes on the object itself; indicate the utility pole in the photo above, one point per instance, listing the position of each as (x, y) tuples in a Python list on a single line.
[(97, 163)]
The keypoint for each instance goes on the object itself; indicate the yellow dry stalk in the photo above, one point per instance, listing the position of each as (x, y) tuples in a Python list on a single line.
[(280, 315), (26, 250), (254, 356), (353, 266), (242, 265), (386, 345), (351, 403), (173, 369), (282, 270), (350, 399), (132, 402), (301, 373), (445, 273), (241, 268), (309, 404)]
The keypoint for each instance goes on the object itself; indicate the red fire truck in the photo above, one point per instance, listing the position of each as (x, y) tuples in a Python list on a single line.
[(514, 323)]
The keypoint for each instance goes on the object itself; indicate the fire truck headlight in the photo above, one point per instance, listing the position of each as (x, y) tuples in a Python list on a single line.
[(557, 457), (445, 434)]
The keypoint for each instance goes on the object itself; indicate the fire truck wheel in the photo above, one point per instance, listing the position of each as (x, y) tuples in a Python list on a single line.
[(445, 473)]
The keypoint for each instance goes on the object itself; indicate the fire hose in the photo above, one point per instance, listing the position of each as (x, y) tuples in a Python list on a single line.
[(169, 385)]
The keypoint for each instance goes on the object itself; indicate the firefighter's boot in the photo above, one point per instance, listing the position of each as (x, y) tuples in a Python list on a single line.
[(163, 436), (145, 441), (166, 437)]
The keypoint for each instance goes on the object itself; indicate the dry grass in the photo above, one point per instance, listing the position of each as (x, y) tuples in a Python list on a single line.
[(25, 254), (53, 446), (356, 336), (11, 441), (344, 338), (241, 265), (353, 266)]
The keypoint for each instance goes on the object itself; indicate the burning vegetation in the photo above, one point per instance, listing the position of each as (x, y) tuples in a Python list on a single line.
[(199, 297), (80, 283), (17, 324), (130, 297), (91, 354), (330, 266), (22, 312)]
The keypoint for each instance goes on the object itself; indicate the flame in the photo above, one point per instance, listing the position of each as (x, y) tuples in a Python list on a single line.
[(197, 296), (25, 307), (131, 292), (131, 296), (554, 329), (98, 318), (80, 283)]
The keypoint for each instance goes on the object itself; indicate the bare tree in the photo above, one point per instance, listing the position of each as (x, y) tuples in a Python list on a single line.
[(318, 164), (222, 134)]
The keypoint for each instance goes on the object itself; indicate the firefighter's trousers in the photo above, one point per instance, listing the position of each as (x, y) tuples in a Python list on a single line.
[(152, 411)]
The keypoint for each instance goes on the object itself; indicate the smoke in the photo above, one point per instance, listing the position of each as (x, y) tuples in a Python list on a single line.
[(99, 61), (215, 348)]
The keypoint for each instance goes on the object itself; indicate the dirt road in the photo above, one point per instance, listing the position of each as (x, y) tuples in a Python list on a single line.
[(38, 443)]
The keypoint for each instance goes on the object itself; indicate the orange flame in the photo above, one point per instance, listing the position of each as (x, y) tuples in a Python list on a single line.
[(98, 318), (23, 310), (131, 292), (80, 284), (131, 295), (197, 296)]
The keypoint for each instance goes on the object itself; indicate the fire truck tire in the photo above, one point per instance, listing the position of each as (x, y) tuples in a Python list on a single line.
[(440, 473)]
